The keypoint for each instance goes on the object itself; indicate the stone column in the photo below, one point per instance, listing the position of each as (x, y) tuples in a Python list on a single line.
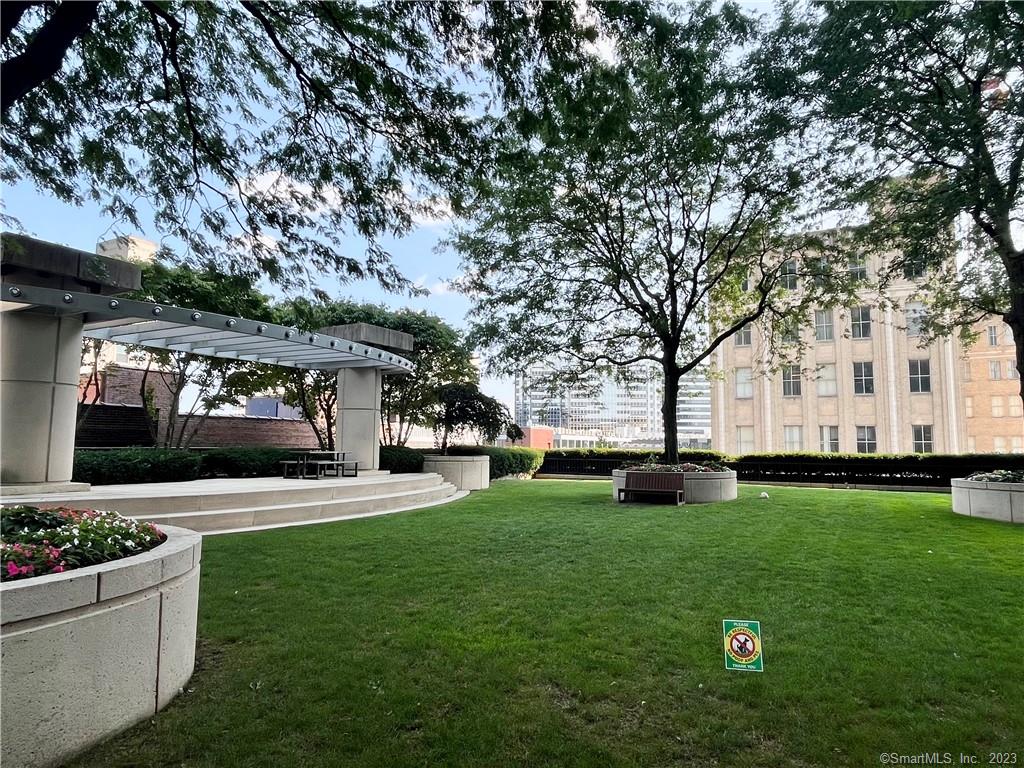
[(39, 367), (359, 415)]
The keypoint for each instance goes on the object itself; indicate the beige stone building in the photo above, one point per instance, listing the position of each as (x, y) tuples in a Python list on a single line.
[(865, 382)]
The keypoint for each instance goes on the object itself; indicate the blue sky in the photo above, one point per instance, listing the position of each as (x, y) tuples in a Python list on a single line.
[(417, 255)]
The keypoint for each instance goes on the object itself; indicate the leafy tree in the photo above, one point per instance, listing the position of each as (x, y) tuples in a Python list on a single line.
[(441, 356), (931, 93), (219, 381), (463, 406), (278, 128), (646, 221)]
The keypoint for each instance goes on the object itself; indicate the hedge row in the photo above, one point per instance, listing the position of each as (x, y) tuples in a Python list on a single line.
[(636, 455), (398, 459), (504, 461)]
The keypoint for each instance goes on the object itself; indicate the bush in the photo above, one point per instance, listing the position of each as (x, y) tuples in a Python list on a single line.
[(399, 459), (41, 541), (633, 455), (136, 465), (999, 476), (504, 461), (244, 462)]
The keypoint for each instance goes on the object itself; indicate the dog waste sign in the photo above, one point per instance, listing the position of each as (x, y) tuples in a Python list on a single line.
[(743, 645)]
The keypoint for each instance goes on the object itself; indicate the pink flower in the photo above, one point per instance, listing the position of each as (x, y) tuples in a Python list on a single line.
[(12, 568), (58, 569)]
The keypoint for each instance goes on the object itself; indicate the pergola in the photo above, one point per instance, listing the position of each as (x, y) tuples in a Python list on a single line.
[(52, 297)]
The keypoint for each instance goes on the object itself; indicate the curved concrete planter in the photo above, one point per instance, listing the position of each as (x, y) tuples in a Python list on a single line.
[(467, 473), (699, 487), (993, 501), (90, 652)]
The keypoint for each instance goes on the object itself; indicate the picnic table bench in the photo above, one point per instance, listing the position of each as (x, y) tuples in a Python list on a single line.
[(653, 483), (313, 465)]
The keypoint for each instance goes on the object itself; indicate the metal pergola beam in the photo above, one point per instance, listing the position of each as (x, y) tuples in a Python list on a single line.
[(158, 326)]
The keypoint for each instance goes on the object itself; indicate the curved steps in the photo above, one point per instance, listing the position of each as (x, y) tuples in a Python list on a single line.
[(222, 506)]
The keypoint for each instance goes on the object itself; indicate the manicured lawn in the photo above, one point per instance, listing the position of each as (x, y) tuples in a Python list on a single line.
[(539, 623)]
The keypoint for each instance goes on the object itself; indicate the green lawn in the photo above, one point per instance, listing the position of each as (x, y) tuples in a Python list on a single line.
[(539, 623)]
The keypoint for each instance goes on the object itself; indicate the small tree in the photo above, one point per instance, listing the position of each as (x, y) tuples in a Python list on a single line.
[(646, 222), (464, 406)]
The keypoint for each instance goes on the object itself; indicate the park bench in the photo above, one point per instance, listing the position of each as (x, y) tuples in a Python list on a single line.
[(317, 464), (653, 484)]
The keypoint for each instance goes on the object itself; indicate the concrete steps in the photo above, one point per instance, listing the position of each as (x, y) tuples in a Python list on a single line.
[(226, 505)]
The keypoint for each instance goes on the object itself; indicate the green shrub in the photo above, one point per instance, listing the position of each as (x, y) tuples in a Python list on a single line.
[(399, 459), (136, 465), (633, 455), (244, 462), (504, 461)]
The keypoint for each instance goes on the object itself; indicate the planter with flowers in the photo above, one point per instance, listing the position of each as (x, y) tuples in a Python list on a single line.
[(995, 495), (97, 627), (701, 482)]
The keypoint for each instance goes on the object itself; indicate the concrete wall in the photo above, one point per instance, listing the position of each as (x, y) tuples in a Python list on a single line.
[(90, 652), (993, 501), (467, 473)]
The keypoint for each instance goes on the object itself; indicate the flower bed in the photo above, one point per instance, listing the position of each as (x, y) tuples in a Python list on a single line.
[(995, 495), (40, 541), (702, 483), (704, 466)]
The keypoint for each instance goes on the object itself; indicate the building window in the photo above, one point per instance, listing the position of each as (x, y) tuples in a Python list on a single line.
[(920, 376), (828, 439), (744, 440), (744, 383), (860, 322), (793, 438), (858, 268), (922, 438), (1011, 370), (999, 444), (969, 407), (863, 379), (745, 285), (993, 336), (1017, 444), (967, 370), (787, 275), (820, 272), (1008, 334), (995, 370), (827, 380), (866, 442), (743, 336), (790, 333), (913, 268), (916, 317), (823, 325), (1014, 409), (791, 381), (971, 444), (996, 402)]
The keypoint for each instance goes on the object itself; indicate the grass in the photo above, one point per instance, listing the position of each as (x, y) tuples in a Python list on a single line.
[(540, 624)]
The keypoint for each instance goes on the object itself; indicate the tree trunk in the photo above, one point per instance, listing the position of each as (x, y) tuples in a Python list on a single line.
[(1014, 264), (669, 407)]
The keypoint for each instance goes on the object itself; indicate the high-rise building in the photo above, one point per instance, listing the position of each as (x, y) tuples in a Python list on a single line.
[(866, 382), (620, 412)]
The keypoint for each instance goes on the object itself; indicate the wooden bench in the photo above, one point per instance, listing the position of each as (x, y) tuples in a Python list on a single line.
[(653, 483)]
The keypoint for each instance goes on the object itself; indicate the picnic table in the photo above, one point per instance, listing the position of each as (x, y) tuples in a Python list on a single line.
[(313, 465)]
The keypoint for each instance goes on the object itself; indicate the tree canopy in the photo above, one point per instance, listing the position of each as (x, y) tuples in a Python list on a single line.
[(262, 134), (649, 217), (922, 105)]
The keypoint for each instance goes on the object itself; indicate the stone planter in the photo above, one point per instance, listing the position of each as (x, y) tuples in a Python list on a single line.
[(90, 652), (699, 487), (993, 501), (467, 473)]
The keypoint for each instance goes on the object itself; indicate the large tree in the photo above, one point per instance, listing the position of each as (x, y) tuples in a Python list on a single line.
[(929, 93), (441, 356), (263, 134), (646, 221)]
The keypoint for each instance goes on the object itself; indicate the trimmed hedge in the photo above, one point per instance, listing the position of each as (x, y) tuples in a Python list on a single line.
[(504, 461), (244, 462), (136, 465), (398, 459), (637, 455)]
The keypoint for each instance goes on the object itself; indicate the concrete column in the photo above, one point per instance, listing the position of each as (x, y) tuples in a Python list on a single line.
[(359, 415), (40, 359)]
